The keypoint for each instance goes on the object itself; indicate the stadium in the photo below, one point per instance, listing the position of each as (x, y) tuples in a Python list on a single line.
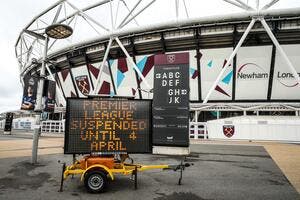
[(236, 68)]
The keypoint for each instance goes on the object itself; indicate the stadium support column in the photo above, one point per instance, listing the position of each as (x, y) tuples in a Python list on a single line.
[(272, 66), (59, 85), (198, 55), (38, 107), (97, 87), (87, 67), (110, 71), (196, 115), (111, 76), (271, 74), (136, 75), (72, 78), (234, 64), (163, 44), (137, 81), (133, 63), (229, 60)]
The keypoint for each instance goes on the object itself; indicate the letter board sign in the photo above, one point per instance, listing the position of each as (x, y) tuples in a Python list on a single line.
[(8, 121), (107, 126), (171, 100)]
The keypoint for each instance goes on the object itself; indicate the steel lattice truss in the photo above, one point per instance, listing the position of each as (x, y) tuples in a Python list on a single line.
[(116, 15), (245, 107), (120, 18)]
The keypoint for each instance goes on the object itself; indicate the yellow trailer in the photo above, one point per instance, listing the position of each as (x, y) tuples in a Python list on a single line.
[(95, 170)]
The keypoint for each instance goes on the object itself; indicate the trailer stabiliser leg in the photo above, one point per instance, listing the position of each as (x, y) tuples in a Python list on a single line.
[(62, 177), (74, 160), (135, 177), (181, 169)]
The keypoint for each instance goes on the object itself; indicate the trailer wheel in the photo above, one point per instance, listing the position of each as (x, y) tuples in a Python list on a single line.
[(95, 181)]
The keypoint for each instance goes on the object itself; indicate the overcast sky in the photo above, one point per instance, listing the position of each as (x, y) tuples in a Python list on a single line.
[(16, 14)]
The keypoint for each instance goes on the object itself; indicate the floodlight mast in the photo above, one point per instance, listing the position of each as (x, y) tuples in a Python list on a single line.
[(56, 31), (38, 107), (260, 18), (58, 28)]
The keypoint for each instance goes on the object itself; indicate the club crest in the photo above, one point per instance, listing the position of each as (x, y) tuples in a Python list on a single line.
[(171, 58), (228, 130), (83, 84)]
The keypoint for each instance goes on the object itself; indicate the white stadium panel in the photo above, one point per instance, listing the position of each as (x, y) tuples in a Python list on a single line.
[(145, 63), (211, 63), (123, 76), (280, 128), (285, 85), (106, 84), (252, 72), (82, 80), (66, 83)]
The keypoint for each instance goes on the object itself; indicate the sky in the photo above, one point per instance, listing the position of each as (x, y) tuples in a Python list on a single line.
[(16, 14)]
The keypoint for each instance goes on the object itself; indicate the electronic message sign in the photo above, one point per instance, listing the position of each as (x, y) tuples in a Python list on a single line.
[(171, 100), (107, 125)]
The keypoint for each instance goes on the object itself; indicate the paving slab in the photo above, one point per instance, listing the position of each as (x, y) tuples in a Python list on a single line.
[(287, 157)]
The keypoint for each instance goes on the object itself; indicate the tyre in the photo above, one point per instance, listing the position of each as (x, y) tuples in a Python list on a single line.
[(95, 181)]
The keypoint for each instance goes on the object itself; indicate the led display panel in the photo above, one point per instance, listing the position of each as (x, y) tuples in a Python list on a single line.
[(107, 125)]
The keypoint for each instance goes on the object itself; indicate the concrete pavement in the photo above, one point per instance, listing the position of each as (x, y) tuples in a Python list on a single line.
[(222, 170), (285, 155)]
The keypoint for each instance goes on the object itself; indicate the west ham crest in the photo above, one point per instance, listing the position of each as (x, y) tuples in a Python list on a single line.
[(83, 84), (228, 130), (171, 58)]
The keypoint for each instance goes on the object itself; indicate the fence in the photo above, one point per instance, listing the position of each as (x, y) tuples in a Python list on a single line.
[(53, 126), (198, 130)]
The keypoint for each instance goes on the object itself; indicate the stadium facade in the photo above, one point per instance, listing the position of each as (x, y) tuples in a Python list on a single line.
[(257, 80)]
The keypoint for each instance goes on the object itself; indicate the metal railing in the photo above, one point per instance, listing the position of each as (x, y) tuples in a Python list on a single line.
[(198, 130), (53, 126)]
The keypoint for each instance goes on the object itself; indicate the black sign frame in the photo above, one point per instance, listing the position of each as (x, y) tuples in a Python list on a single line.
[(67, 124), (171, 111)]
